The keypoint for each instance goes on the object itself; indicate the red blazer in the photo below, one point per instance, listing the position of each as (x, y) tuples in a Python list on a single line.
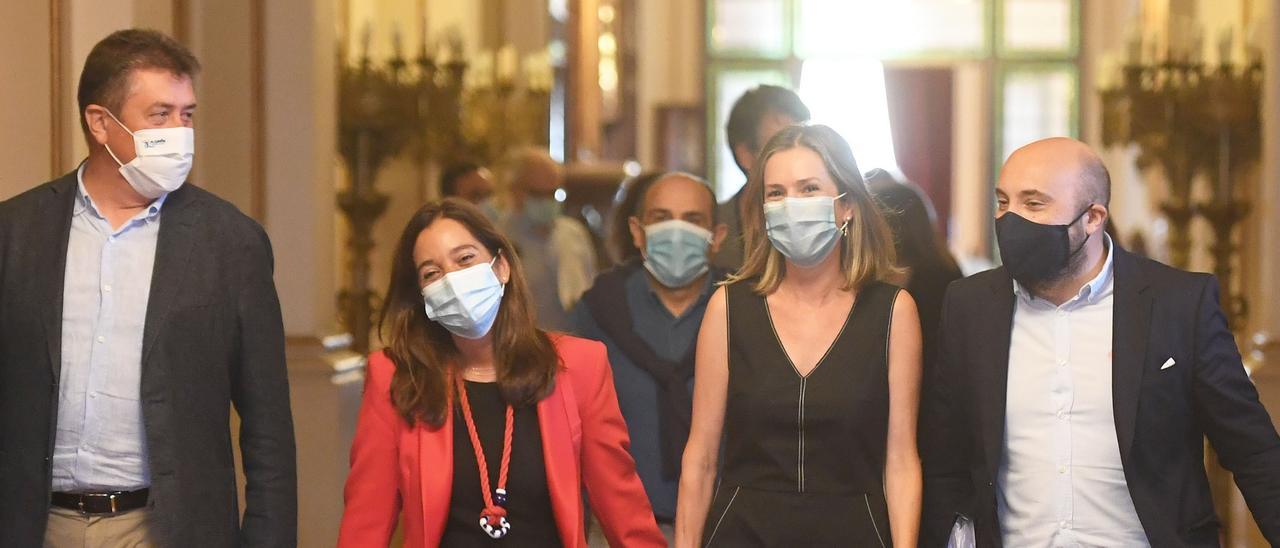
[(396, 467)]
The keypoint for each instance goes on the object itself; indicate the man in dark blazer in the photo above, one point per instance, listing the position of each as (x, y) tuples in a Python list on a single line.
[(135, 312), (1077, 383)]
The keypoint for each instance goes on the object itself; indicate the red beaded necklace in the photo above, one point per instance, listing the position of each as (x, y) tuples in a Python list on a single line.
[(493, 519)]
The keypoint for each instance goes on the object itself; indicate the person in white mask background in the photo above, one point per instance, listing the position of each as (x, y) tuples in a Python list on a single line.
[(808, 368), (135, 312), (560, 258), (647, 311), (476, 424)]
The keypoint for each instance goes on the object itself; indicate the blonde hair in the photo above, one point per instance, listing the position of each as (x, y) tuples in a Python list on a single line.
[(867, 253)]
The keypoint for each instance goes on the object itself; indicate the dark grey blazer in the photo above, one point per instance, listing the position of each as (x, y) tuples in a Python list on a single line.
[(213, 339), (1161, 416)]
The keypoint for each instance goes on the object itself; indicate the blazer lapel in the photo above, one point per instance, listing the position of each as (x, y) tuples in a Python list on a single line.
[(560, 453), (50, 249), (435, 474), (178, 218), (992, 360), (1131, 318)]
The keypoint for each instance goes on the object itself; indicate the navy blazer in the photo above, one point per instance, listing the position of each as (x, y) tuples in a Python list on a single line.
[(1161, 416)]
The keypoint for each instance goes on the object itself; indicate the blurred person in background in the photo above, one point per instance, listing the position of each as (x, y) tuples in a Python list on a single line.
[(559, 255), (926, 263), (758, 114), (467, 180)]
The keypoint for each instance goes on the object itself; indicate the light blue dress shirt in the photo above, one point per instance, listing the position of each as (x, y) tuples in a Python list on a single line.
[(101, 440)]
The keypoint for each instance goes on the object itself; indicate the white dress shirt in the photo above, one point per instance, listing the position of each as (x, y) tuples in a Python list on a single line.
[(1061, 482)]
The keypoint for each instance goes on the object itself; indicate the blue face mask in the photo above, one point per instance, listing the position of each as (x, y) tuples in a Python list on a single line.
[(542, 211), (675, 252), (465, 301), (490, 210), (803, 229)]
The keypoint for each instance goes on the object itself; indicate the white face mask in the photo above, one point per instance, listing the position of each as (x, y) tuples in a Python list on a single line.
[(465, 301), (803, 229), (164, 157)]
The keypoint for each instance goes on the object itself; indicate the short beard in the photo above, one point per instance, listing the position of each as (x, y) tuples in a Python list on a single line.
[(1075, 265)]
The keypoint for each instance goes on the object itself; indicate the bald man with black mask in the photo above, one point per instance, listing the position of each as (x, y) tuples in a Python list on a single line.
[(1077, 382)]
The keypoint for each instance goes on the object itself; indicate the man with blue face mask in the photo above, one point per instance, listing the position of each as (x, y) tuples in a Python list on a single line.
[(648, 312), (136, 311), (558, 254)]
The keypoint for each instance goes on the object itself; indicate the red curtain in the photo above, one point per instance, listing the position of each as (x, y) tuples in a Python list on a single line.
[(920, 113)]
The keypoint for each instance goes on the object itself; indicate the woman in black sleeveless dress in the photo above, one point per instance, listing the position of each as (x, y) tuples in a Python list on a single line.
[(810, 368)]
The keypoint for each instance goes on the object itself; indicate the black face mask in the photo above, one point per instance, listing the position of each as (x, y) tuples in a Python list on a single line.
[(1033, 252)]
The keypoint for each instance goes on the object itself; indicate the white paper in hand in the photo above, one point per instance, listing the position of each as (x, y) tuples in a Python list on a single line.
[(962, 535)]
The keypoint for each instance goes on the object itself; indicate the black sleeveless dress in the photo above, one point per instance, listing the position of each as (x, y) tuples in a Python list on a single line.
[(803, 456)]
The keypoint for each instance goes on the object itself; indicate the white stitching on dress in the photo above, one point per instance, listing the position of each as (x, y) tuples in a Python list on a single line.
[(723, 514), (800, 445), (872, 517)]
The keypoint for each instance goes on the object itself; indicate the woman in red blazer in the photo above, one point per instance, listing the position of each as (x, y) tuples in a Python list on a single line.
[(468, 383)]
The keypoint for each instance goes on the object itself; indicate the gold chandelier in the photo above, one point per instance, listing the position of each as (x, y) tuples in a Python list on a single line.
[(438, 107), (1192, 118)]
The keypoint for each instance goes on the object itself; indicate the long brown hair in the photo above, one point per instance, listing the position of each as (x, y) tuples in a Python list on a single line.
[(911, 218), (866, 253), (423, 351)]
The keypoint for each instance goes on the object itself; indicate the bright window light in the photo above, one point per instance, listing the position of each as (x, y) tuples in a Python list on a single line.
[(849, 96)]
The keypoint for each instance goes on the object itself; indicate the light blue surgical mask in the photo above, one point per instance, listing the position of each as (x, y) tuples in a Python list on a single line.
[(542, 211), (803, 229), (490, 210), (465, 301), (675, 251)]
